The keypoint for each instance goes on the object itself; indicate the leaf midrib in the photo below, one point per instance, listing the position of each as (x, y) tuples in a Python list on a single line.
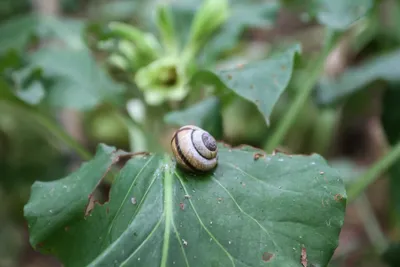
[(168, 210)]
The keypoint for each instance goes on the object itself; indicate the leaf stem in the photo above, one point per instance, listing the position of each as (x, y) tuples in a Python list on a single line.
[(371, 224), (50, 126), (59, 133), (303, 94), (373, 173)]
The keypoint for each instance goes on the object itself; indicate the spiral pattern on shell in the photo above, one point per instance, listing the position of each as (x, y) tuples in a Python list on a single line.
[(194, 149)]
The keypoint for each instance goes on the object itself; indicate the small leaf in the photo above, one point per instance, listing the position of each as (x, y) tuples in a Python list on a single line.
[(260, 82), (278, 206), (165, 25), (211, 15), (33, 94), (383, 67), (147, 47), (205, 114)]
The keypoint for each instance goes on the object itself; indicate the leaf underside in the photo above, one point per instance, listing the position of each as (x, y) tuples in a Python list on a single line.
[(253, 209)]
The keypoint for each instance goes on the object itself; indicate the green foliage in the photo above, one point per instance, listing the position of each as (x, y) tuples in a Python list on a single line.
[(382, 67), (158, 215), (79, 82), (259, 82), (136, 70)]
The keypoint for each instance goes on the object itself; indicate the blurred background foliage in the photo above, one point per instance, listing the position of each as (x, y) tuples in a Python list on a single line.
[(67, 85)]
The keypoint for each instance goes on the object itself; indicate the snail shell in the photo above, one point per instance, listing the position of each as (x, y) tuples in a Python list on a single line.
[(194, 149)]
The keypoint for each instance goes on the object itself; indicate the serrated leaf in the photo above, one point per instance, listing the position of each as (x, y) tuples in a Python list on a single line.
[(80, 83), (252, 210), (260, 82), (205, 114), (384, 67)]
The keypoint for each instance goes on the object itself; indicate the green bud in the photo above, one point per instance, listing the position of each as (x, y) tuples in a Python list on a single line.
[(118, 61), (162, 80), (208, 19), (146, 44), (165, 25)]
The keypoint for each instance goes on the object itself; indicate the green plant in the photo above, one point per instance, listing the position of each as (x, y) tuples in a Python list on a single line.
[(135, 82)]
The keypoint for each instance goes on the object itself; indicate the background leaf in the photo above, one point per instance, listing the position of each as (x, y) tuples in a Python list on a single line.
[(384, 67), (79, 82), (260, 82), (246, 213), (341, 14), (205, 114)]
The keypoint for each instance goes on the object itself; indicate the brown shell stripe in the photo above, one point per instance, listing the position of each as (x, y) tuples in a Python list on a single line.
[(181, 155)]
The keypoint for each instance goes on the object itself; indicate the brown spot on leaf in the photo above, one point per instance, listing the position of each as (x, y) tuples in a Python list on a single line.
[(107, 210), (338, 197), (303, 259), (267, 256), (182, 205), (283, 67), (257, 156), (239, 66), (229, 77)]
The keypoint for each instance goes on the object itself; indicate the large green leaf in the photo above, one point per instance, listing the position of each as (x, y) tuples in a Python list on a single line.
[(205, 114), (17, 32), (79, 82), (384, 67), (252, 210), (261, 82)]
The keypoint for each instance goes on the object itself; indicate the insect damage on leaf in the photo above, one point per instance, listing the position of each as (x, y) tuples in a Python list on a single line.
[(267, 256), (118, 157), (304, 257)]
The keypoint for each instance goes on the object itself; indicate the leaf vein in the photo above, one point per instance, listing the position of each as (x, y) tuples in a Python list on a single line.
[(126, 196), (248, 215), (202, 224)]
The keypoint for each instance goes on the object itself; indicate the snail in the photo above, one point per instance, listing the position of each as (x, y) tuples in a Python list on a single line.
[(194, 149)]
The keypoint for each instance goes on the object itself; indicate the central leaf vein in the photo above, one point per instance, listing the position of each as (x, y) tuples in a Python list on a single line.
[(168, 213)]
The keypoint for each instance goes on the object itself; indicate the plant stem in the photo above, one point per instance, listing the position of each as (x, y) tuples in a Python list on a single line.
[(50, 126), (303, 93), (373, 173), (371, 224), (59, 133)]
